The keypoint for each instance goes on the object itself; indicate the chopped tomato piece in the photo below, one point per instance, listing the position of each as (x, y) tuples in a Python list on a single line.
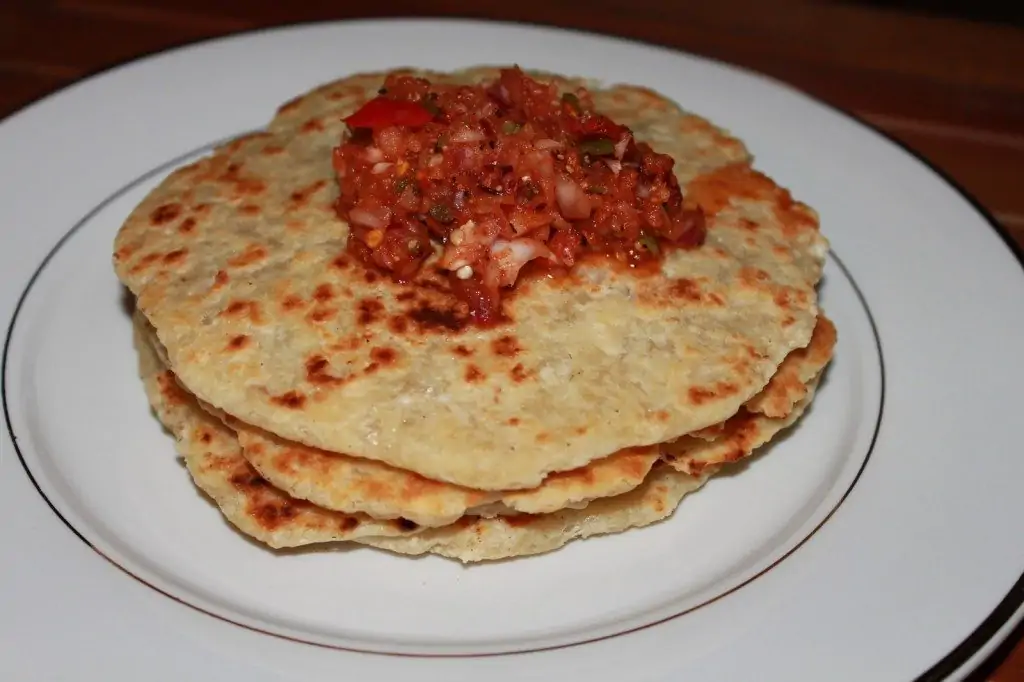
[(382, 112)]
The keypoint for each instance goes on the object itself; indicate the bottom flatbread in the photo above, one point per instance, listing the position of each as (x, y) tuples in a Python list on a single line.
[(503, 537)]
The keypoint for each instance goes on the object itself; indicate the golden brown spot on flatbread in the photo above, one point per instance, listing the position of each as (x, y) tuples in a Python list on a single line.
[(369, 276), (383, 355), (291, 302), (782, 299), (463, 351), (247, 479), (702, 394), (206, 437), (788, 321), (253, 253), (240, 308), (342, 262), (755, 278), (430, 318), (349, 523), (543, 437), (241, 186), (323, 293), (519, 373), (686, 289), (165, 213), (347, 344), (220, 279), (317, 372), (187, 225), (292, 400), (238, 342), (124, 252), (506, 346), (273, 514), (661, 416), (748, 224), (398, 324), (201, 209), (633, 462), (321, 314), (170, 390), (300, 196), (272, 150), (247, 186), (145, 262), (474, 374), (405, 296), (291, 460), (370, 311), (312, 125), (175, 256), (250, 210), (513, 421)]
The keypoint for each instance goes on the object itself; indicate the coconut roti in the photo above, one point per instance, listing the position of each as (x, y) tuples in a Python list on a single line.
[(238, 261)]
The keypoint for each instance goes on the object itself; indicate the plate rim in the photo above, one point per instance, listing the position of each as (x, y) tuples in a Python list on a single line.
[(1009, 608)]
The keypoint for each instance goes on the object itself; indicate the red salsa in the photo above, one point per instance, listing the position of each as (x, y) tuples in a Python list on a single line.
[(497, 175)]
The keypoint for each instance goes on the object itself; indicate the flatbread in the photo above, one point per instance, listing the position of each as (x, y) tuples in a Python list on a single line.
[(743, 433), (788, 386), (238, 261), (504, 537), (214, 459), (352, 484)]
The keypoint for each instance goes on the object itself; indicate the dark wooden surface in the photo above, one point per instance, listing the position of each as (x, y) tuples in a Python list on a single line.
[(951, 89)]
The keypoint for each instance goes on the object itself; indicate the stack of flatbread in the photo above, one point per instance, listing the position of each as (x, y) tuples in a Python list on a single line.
[(315, 400)]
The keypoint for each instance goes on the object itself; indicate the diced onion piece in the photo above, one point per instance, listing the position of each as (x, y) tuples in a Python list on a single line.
[(616, 166), (546, 144), (621, 145), (374, 155), (379, 168), (366, 218), (572, 200), (509, 257)]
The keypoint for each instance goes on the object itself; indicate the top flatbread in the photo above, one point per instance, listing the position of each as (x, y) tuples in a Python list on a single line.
[(238, 261)]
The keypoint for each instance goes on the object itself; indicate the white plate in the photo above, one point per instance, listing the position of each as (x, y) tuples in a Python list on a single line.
[(868, 544)]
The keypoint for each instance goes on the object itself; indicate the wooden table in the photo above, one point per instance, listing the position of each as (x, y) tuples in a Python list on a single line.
[(951, 90)]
